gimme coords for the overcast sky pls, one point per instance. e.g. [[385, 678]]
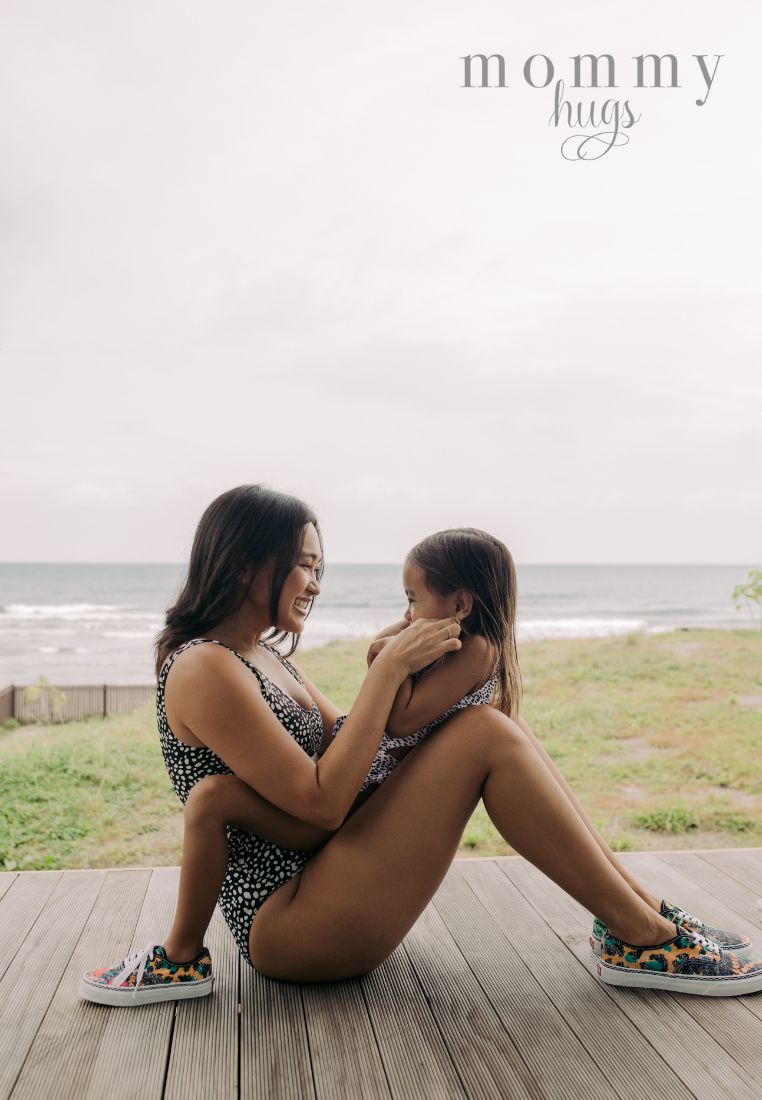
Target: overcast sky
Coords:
[[281, 243]]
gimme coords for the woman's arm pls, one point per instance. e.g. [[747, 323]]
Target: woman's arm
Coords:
[[218, 700], [418, 703]]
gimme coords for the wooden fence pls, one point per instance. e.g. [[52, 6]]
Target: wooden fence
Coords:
[[70, 703]]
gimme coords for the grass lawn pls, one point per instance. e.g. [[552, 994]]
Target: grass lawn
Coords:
[[659, 735]]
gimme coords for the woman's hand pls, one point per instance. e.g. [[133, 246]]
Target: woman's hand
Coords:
[[422, 643]]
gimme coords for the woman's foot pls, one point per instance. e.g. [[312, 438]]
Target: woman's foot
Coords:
[[688, 963], [727, 940], [148, 976]]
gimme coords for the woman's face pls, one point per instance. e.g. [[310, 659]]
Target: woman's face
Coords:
[[421, 602], [300, 588]]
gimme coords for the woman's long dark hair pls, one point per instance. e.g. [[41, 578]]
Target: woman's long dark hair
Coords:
[[244, 528], [464, 557]]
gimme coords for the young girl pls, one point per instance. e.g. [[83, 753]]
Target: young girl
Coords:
[[468, 575], [464, 575]]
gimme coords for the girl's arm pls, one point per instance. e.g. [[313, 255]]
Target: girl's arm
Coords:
[[243, 808], [417, 704], [392, 630]]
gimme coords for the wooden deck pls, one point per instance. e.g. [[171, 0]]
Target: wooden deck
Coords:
[[455, 1012]]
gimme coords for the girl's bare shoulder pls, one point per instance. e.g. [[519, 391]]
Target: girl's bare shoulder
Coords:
[[477, 654]]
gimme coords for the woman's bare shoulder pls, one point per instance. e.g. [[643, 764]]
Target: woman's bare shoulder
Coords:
[[206, 661]]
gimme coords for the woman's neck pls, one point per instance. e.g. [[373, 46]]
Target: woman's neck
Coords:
[[241, 631]]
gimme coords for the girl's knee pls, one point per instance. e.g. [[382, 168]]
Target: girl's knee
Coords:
[[207, 798], [487, 726]]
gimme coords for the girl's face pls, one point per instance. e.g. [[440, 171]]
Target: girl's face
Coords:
[[422, 603], [300, 587]]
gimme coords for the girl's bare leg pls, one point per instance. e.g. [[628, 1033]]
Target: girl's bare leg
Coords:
[[361, 893], [213, 803], [648, 897]]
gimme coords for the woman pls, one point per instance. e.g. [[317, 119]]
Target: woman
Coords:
[[330, 883]]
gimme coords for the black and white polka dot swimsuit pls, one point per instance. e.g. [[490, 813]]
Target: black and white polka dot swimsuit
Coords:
[[256, 867], [384, 762]]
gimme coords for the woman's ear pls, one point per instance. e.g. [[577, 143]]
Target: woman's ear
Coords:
[[464, 603]]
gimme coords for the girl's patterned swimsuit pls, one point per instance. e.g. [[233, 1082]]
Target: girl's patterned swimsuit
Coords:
[[256, 867], [384, 763]]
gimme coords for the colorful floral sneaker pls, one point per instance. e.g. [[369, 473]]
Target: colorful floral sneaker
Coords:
[[689, 963], [728, 941], [148, 976]]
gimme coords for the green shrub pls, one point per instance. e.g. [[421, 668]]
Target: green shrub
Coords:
[[672, 819]]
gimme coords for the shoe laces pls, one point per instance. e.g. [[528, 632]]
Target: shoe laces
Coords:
[[703, 941], [136, 962], [683, 916]]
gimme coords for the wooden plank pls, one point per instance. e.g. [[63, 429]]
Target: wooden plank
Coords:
[[705, 1068], [415, 1057], [546, 1041], [62, 1054], [717, 883], [133, 1053], [512, 930], [740, 898], [345, 1057], [21, 904], [30, 982], [727, 1020], [668, 875], [744, 867], [204, 1056], [487, 1060], [275, 1056], [7, 878]]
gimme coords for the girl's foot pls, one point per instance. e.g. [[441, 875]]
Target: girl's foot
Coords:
[[689, 963], [148, 976], [728, 941]]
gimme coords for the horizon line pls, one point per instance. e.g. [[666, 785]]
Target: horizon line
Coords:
[[735, 564]]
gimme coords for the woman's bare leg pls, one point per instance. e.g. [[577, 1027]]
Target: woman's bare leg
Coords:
[[361, 893], [214, 802], [648, 897]]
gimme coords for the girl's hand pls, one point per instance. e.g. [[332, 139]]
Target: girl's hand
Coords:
[[375, 648], [385, 636], [422, 643], [390, 631]]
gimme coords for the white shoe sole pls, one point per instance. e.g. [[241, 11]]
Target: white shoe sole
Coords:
[[171, 991], [727, 986]]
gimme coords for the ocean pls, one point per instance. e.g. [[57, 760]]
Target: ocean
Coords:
[[91, 624]]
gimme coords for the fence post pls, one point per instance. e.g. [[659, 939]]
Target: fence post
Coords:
[[105, 701]]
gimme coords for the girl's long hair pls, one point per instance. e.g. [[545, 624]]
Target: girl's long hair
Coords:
[[244, 528], [464, 557]]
